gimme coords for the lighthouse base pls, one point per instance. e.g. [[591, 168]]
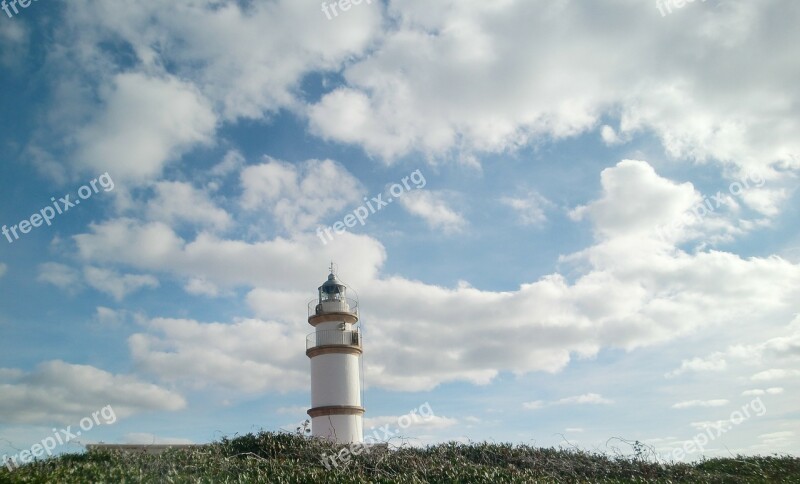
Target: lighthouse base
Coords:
[[339, 424]]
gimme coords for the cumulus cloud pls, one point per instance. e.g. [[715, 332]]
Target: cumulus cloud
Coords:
[[105, 280], [715, 362], [232, 162], [181, 202], [631, 290], [60, 275], [432, 86], [701, 403], [117, 285], [430, 422], [775, 440], [201, 287], [146, 122], [636, 201], [530, 208], [585, 399], [534, 405], [249, 355], [107, 317], [610, 136], [776, 374], [773, 350], [434, 209], [299, 196], [60, 393], [167, 97], [153, 246], [759, 392], [14, 46]]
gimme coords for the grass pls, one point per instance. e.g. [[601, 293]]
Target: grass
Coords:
[[287, 458]]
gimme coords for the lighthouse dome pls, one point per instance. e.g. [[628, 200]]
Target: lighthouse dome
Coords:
[[333, 299], [332, 284]]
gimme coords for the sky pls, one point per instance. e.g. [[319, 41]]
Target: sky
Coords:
[[568, 223]]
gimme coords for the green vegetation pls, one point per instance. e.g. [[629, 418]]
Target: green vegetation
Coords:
[[287, 458]]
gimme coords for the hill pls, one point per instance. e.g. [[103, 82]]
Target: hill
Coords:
[[286, 458]]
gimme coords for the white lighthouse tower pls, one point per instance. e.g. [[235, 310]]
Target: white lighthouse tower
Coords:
[[335, 352]]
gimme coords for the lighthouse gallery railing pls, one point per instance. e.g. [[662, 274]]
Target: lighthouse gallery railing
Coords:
[[333, 337], [342, 305]]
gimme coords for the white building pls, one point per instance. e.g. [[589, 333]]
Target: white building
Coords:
[[335, 352]]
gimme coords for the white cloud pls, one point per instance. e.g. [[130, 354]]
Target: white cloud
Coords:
[[226, 62], [109, 317], [104, 280], [767, 201], [534, 405], [701, 403], [299, 196], [775, 349], [758, 392], [117, 285], [715, 362], [15, 45], [609, 136], [775, 374], [249, 356], [201, 287], [60, 275], [60, 393], [3, 269], [530, 209], [710, 424], [181, 202], [416, 422], [232, 162], [146, 123], [247, 59], [434, 209], [156, 247], [483, 76], [776, 440], [626, 291], [585, 399], [636, 201]]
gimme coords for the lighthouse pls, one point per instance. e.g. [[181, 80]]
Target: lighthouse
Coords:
[[335, 352]]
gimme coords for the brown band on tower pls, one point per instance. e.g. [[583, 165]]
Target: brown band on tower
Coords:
[[321, 318], [335, 410], [329, 349]]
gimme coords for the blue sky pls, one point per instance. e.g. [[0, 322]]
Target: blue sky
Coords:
[[522, 284]]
